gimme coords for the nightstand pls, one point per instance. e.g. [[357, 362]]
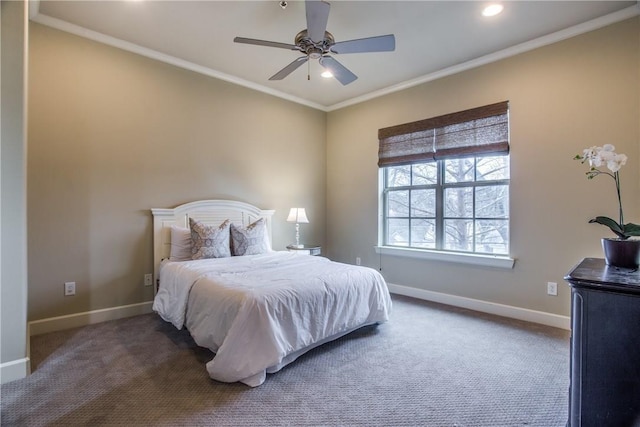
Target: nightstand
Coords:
[[604, 370], [305, 249]]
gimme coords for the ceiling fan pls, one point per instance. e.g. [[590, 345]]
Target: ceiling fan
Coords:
[[315, 42]]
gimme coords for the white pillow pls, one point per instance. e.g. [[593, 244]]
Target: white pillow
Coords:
[[180, 244], [209, 241], [250, 240]]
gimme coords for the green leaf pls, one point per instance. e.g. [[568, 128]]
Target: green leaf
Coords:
[[631, 229], [608, 222]]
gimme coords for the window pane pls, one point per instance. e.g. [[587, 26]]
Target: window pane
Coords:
[[458, 235], [458, 202], [423, 233], [425, 173], [423, 203], [398, 176], [474, 211], [492, 168], [398, 232], [458, 170], [492, 236], [492, 201], [398, 203]]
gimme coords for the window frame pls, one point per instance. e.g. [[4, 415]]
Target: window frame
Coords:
[[475, 132], [439, 218]]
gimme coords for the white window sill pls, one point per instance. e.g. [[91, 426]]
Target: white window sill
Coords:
[[457, 257]]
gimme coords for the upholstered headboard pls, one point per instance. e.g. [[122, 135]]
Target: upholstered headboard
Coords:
[[207, 211]]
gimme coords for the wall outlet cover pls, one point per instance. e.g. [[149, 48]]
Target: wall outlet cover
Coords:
[[69, 288]]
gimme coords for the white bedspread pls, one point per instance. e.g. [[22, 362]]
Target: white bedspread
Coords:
[[260, 312]]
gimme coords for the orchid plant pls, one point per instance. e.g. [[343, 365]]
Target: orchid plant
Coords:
[[605, 156]]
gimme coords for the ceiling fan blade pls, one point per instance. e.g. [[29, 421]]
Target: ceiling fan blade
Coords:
[[339, 71], [317, 18], [289, 68], [265, 43], [370, 44]]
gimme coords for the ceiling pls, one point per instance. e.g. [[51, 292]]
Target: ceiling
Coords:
[[433, 38]]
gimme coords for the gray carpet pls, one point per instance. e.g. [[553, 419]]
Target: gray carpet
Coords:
[[430, 365]]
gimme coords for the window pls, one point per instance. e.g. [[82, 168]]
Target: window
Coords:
[[445, 182]]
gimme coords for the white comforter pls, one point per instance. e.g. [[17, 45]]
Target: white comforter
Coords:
[[260, 312]]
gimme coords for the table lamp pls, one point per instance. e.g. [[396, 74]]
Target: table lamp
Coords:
[[299, 216]]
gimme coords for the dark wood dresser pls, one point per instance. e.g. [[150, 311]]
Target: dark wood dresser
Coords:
[[605, 345]]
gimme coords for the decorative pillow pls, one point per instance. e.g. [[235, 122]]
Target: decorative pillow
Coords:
[[209, 241], [250, 240], [180, 244]]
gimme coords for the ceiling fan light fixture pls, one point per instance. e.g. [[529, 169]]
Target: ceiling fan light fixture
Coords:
[[492, 10], [315, 42], [327, 74], [314, 53]]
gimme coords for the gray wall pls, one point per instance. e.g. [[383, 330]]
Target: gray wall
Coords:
[[13, 211], [564, 97], [113, 134]]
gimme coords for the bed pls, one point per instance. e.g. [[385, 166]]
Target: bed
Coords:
[[258, 309]]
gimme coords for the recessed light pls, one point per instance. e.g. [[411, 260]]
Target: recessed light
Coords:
[[327, 74], [492, 10]]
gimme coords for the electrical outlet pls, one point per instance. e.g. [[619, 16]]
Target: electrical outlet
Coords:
[[358, 260], [552, 288], [69, 288], [148, 279]]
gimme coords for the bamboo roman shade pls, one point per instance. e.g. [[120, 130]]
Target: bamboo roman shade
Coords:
[[482, 130]]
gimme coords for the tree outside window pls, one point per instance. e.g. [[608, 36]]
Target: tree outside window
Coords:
[[459, 205]]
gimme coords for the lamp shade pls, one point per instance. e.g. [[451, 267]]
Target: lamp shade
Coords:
[[297, 215]]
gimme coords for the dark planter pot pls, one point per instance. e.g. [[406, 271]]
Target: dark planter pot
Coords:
[[621, 253]]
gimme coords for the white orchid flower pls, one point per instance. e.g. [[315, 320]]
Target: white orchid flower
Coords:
[[613, 166], [606, 155]]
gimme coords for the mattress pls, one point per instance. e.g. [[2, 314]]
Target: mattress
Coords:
[[260, 312]]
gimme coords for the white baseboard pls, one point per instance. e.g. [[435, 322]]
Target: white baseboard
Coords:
[[14, 370], [541, 317], [60, 323]]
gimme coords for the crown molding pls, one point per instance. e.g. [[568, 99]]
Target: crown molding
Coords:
[[77, 30], [558, 36]]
